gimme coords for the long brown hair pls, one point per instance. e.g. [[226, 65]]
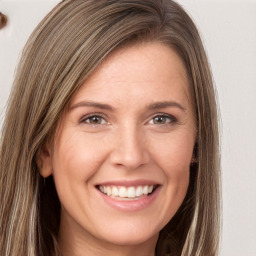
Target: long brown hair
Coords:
[[71, 41]]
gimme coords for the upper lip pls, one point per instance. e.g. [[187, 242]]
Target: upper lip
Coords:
[[128, 183]]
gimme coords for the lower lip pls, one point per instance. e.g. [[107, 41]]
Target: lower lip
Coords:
[[130, 205]]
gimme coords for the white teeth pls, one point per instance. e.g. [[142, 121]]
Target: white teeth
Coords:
[[115, 191], [131, 192], [126, 192], [122, 192], [139, 191], [145, 190], [109, 192]]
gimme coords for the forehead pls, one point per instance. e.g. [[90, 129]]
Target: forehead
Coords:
[[147, 69]]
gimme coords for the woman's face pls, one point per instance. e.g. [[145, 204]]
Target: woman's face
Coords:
[[122, 153]]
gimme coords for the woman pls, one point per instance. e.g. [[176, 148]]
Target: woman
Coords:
[[110, 141]]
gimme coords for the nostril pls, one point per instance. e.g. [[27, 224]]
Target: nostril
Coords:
[[3, 20]]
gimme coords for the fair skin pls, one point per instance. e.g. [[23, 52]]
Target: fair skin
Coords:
[[129, 129]]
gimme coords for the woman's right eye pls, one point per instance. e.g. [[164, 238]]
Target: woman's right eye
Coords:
[[94, 120]]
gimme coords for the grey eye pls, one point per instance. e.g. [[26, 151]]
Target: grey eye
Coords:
[[95, 120], [162, 119]]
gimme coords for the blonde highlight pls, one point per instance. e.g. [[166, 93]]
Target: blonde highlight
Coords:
[[65, 48]]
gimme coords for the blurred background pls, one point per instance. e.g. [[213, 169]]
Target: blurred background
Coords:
[[228, 30]]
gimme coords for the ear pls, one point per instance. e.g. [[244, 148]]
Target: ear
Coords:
[[44, 162]]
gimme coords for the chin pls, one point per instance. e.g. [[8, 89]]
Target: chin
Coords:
[[130, 236]]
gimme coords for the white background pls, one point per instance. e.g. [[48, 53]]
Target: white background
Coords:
[[228, 29]]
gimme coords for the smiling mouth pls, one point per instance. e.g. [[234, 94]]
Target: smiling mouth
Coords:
[[127, 193]]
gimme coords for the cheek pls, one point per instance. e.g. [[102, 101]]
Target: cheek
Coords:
[[174, 153], [75, 155], [173, 156], [75, 162]]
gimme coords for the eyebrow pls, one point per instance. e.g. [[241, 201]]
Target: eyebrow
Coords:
[[152, 106], [91, 104], [166, 104]]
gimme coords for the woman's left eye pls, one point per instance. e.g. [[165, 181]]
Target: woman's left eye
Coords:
[[162, 119], [94, 120]]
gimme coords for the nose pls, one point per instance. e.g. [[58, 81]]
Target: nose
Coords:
[[130, 149]]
